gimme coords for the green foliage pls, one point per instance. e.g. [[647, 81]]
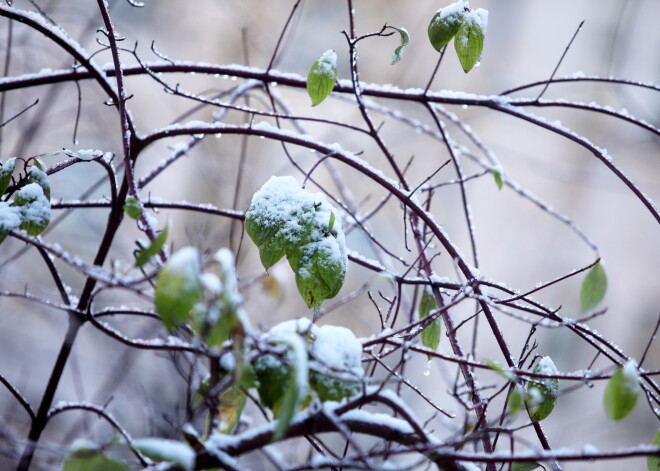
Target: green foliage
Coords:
[[144, 255], [322, 77], [232, 402], [621, 392], [6, 171], [283, 219], [88, 457], [497, 175], [405, 39], [178, 287], [593, 288], [33, 208], [542, 392], [445, 24], [469, 40], [653, 462], [431, 334], [516, 399], [525, 466], [132, 208], [38, 176]]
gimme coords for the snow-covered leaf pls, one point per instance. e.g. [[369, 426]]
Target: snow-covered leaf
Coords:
[[405, 39], [10, 219], [445, 24], [431, 334], [622, 391], [144, 255], [542, 392], [171, 451], [653, 462], [40, 177], [178, 287], [6, 171], [89, 457], [337, 372], [132, 208], [593, 288], [33, 207], [322, 76], [469, 40], [284, 219]]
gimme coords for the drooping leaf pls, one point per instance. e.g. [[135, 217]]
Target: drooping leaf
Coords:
[[431, 333], [6, 171], [232, 402], [284, 219], [593, 288], [497, 175], [653, 462], [87, 457], [169, 451], [469, 40], [144, 255], [405, 39], [132, 208], [178, 288], [33, 207], [621, 392], [445, 24], [542, 392], [525, 466], [322, 76]]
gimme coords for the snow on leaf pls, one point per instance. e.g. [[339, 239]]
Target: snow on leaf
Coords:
[[171, 451], [322, 76], [542, 392], [38, 176], [284, 219], [10, 219], [622, 391], [33, 207], [6, 171], [178, 287], [593, 288], [469, 40], [445, 24]]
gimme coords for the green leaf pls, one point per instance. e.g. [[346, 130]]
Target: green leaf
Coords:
[[445, 24], [132, 208], [284, 219], [322, 77], [500, 370], [33, 207], [6, 171], [337, 373], [516, 399], [469, 40], [594, 288], [89, 457], [10, 219], [297, 385], [525, 466], [431, 333], [405, 39], [653, 462], [232, 403], [178, 288], [170, 451], [144, 255], [497, 175], [38, 176], [542, 392], [622, 391]]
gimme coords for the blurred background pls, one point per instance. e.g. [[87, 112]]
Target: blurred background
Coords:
[[518, 244]]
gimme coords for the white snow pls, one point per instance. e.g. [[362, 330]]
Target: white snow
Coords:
[[167, 450], [547, 367], [338, 348], [10, 218]]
